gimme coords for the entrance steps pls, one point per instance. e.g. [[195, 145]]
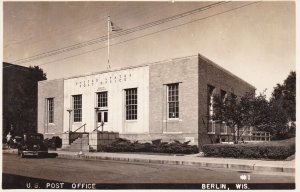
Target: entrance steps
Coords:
[[79, 144]]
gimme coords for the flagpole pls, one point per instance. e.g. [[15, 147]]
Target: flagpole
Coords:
[[108, 29]]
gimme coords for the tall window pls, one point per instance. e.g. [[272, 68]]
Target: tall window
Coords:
[[102, 99], [210, 91], [50, 109], [173, 101], [223, 95], [131, 104], [77, 106]]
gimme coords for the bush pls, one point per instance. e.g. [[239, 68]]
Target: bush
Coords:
[[124, 145], [269, 150], [54, 142]]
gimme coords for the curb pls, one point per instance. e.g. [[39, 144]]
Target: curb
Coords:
[[249, 167], [188, 163]]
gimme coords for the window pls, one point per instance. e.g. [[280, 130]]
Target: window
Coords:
[[102, 99], [211, 127], [210, 98], [173, 100], [223, 128], [131, 104], [77, 105], [50, 110], [223, 95]]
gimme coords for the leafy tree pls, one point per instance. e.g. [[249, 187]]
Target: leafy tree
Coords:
[[265, 115], [285, 96], [230, 111], [251, 111], [22, 108], [283, 103]]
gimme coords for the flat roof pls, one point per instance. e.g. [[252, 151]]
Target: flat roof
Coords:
[[155, 63]]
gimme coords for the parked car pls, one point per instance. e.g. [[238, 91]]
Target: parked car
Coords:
[[32, 144]]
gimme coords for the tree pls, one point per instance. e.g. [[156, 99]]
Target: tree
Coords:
[[283, 101], [251, 111], [230, 111], [264, 115], [284, 96], [22, 112]]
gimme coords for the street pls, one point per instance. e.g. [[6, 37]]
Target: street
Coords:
[[85, 171]]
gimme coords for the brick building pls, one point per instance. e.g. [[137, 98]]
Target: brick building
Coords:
[[164, 100]]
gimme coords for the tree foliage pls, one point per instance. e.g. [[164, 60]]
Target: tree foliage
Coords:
[[228, 110], [22, 112], [256, 111], [284, 96]]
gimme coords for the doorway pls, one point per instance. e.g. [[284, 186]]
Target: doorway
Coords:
[[102, 119]]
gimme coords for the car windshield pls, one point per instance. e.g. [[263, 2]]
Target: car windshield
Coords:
[[35, 137]]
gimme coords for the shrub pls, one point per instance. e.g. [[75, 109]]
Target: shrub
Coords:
[[54, 142], [269, 150], [124, 145]]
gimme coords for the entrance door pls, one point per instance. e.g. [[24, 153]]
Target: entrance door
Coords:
[[102, 119]]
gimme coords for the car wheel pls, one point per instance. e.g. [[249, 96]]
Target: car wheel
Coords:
[[22, 155]]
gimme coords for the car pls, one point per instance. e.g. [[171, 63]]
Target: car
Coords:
[[32, 144]]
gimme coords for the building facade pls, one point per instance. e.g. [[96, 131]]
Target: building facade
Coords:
[[166, 100]]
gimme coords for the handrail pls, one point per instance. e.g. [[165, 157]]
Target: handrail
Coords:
[[80, 127], [98, 127]]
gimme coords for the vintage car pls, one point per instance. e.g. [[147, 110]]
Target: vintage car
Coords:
[[32, 144]]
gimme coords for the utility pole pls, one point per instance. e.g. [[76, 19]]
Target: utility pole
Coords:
[[108, 30]]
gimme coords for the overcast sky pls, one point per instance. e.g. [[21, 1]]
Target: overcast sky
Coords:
[[254, 41]]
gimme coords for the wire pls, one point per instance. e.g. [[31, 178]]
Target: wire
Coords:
[[121, 33], [203, 18]]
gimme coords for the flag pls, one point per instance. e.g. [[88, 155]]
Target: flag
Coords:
[[114, 27]]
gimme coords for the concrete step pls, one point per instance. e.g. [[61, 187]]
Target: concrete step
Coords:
[[81, 141], [80, 144], [77, 150]]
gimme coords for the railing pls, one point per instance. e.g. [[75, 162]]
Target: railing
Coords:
[[260, 136], [101, 125], [73, 135], [81, 127]]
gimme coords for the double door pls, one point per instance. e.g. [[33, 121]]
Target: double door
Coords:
[[102, 119]]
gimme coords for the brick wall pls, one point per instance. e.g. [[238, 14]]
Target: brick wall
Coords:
[[182, 71], [214, 75], [51, 89]]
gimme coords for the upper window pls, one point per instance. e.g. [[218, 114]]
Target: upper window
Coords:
[[102, 99], [77, 106], [131, 103], [50, 110], [173, 100]]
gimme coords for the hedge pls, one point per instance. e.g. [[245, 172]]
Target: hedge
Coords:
[[54, 142], [124, 145], [265, 150]]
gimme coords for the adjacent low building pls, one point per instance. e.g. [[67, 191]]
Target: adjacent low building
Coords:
[[164, 100]]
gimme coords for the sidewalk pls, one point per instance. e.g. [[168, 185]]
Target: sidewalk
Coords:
[[191, 160]]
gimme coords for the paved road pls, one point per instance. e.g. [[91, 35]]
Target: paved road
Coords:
[[84, 171]]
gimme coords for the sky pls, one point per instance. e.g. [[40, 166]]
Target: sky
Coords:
[[254, 40]]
